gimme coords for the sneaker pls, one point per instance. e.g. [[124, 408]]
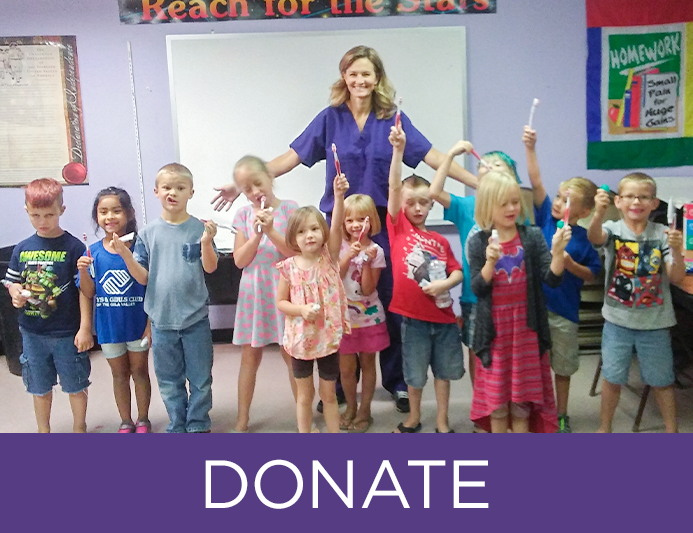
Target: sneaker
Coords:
[[126, 427], [341, 400], [143, 426], [564, 424], [401, 398]]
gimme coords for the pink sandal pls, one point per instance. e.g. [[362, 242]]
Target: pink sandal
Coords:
[[126, 427], [143, 426]]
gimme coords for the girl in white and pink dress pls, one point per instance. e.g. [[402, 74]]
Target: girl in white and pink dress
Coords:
[[360, 261], [311, 294], [258, 247]]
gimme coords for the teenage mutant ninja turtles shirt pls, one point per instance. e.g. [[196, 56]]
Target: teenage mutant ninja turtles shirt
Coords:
[[637, 294], [47, 268]]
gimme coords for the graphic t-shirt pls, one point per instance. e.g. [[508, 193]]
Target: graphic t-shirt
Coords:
[[363, 311], [119, 299], [637, 285], [48, 269], [413, 250]]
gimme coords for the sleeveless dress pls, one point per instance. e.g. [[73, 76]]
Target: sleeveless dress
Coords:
[[517, 372], [319, 284], [258, 322]]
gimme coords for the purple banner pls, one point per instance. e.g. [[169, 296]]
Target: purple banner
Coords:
[[189, 483], [157, 11]]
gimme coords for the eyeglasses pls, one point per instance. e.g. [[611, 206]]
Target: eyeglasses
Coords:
[[632, 197]]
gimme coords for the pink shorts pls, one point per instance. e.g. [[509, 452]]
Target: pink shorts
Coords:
[[366, 340]]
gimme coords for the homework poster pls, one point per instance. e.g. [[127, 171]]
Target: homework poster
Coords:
[[639, 87]]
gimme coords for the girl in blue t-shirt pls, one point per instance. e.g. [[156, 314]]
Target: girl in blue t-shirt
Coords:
[[122, 327]]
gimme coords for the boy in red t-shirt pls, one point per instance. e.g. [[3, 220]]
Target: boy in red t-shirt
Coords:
[[424, 270]]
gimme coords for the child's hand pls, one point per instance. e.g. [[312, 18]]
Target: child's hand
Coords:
[[529, 137], [460, 148], [19, 298], [341, 185], [209, 232], [601, 202], [435, 288], [84, 262], [493, 251], [148, 334], [84, 340], [354, 249], [227, 194], [371, 252], [675, 239], [309, 312], [397, 138], [264, 220], [560, 239], [120, 247]]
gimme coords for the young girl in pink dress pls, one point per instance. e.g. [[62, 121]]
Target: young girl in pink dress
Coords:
[[259, 245], [360, 262], [312, 296], [508, 263]]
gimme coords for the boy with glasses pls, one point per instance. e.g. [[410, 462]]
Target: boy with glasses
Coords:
[[641, 258]]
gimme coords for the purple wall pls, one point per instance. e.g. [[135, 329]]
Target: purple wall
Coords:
[[530, 48]]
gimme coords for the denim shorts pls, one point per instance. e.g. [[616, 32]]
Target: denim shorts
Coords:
[[116, 349], [427, 344], [468, 318], [45, 359], [653, 348]]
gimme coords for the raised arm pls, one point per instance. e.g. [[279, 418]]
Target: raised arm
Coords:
[[676, 270], [529, 137], [434, 159], [436, 189], [136, 270], [398, 140], [596, 233], [86, 284], [210, 259], [340, 185]]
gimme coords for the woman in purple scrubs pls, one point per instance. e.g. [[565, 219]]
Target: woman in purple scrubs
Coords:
[[358, 120]]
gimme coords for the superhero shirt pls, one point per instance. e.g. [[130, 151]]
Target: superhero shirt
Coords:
[[637, 294], [47, 268]]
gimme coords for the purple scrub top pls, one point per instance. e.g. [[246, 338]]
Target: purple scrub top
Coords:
[[364, 156]]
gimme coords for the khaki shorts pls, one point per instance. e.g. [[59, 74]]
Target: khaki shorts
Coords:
[[565, 347]]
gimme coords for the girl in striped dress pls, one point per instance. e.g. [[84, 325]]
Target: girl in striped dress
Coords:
[[508, 263]]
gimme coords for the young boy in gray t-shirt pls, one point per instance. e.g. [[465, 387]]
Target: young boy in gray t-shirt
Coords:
[[641, 258], [169, 257]]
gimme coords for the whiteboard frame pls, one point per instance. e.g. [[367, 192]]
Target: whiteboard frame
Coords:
[[425, 107]]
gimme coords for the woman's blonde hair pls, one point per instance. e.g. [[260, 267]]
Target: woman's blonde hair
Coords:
[[383, 97], [361, 204], [493, 189], [297, 218]]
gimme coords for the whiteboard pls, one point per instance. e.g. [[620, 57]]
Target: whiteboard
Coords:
[[254, 93]]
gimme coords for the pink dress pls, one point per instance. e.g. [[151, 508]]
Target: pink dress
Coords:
[[258, 321], [517, 373], [319, 284]]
